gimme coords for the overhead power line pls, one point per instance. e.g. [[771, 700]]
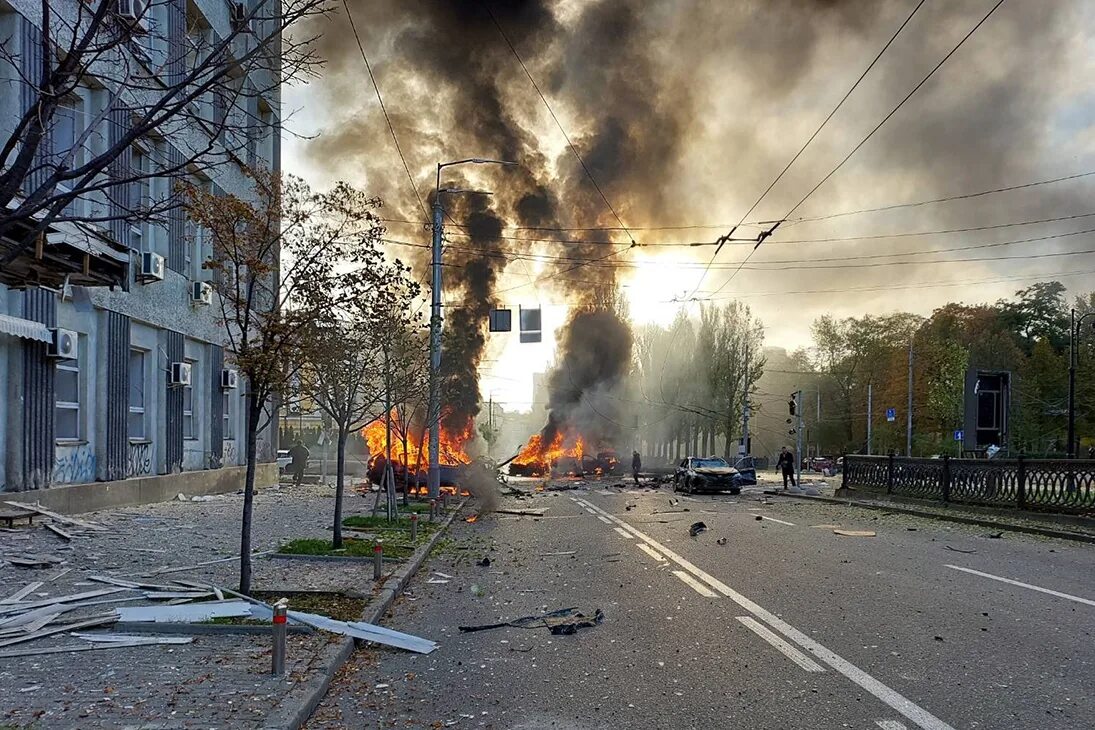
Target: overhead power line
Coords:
[[384, 109], [893, 111]]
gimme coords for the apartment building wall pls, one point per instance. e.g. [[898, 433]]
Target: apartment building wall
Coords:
[[112, 413]]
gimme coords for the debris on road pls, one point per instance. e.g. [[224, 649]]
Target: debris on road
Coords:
[[956, 550], [521, 512], [994, 535], [484, 563], [759, 518], [855, 533], [721, 541], [563, 622], [185, 612], [563, 552], [697, 528]]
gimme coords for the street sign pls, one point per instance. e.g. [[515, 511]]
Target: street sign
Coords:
[[891, 414], [958, 435]]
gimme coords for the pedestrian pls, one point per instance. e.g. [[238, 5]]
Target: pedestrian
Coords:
[[636, 466], [299, 455], [786, 464]]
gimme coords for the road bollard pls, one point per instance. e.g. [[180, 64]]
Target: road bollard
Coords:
[[378, 560], [277, 656], [433, 510], [445, 501], [414, 528]]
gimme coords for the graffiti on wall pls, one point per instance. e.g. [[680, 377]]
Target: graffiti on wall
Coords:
[[74, 465], [263, 450], [139, 461], [231, 457]]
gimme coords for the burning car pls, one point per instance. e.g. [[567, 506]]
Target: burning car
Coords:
[[712, 474]]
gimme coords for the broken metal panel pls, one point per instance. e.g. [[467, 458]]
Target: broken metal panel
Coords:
[[987, 409], [39, 305], [501, 320], [530, 322], [216, 407], [173, 442], [116, 411]]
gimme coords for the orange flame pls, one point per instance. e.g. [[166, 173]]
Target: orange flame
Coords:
[[537, 458], [416, 455], [473, 518]]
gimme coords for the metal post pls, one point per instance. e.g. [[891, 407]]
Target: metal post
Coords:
[[870, 414], [1021, 483], [414, 527], [433, 479], [277, 654], [889, 474], [1072, 332], [378, 560], [908, 415], [798, 438], [433, 510], [744, 450], [946, 478], [445, 501]]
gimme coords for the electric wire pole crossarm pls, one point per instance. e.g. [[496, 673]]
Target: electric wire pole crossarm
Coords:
[[434, 414]]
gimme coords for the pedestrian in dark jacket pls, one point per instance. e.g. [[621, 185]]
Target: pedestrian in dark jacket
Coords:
[[299, 455], [786, 464], [636, 465]]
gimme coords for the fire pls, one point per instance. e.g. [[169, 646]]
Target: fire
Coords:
[[473, 518], [411, 451], [537, 458]]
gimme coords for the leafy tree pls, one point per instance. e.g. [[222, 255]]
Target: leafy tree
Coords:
[[283, 258]]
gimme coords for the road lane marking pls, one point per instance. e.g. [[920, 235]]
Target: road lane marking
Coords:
[[695, 584], [604, 520], [918, 715], [622, 531], [788, 651], [651, 552], [1067, 596], [773, 519], [890, 725]]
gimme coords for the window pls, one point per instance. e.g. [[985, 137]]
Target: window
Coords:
[[66, 410], [141, 197], [136, 395], [226, 409]]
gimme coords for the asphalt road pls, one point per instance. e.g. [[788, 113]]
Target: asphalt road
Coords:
[[786, 625]]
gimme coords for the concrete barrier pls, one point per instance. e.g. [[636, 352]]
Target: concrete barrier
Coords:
[[76, 498]]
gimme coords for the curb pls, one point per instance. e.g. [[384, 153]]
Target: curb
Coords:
[[335, 655], [1011, 527]]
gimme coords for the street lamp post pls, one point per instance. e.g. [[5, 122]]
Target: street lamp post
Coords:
[[1073, 335], [434, 416]]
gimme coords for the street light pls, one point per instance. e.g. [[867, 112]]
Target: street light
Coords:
[[1073, 335], [434, 417]]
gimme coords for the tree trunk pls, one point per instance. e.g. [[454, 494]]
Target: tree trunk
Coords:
[[340, 473], [406, 464], [254, 414]]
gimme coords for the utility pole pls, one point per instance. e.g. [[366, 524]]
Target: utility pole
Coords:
[[1073, 335], [433, 418], [798, 437], [490, 426], [433, 413], [908, 415], [743, 450], [817, 424], [870, 414]]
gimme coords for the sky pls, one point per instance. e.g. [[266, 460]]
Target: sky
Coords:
[[683, 113]]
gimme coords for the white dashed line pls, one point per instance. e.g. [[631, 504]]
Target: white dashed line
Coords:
[[788, 651], [773, 519], [1009, 581], [622, 531], [651, 552], [890, 725], [895, 700], [695, 584], [604, 520]]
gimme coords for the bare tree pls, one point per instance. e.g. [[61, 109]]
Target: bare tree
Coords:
[[283, 259], [349, 371], [174, 93]]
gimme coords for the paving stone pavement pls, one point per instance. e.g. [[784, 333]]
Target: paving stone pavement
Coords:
[[217, 681]]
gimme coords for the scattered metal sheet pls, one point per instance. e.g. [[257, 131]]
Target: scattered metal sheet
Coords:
[[72, 598], [166, 595], [80, 647], [563, 621], [58, 532], [367, 632], [107, 638], [855, 533], [100, 620], [190, 612], [23, 592], [63, 519]]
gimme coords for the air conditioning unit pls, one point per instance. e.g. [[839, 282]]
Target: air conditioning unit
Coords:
[[133, 12], [181, 373], [230, 379], [201, 293], [65, 344], [152, 265]]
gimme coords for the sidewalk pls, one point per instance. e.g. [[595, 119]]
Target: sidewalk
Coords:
[[216, 681]]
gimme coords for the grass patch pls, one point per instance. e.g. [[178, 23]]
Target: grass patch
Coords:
[[333, 605], [396, 545], [403, 524]]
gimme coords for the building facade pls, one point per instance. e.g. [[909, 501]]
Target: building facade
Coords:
[[127, 376]]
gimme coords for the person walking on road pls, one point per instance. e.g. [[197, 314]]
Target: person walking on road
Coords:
[[636, 466], [299, 455], [786, 464]]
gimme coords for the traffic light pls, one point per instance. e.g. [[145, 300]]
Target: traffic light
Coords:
[[791, 406]]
